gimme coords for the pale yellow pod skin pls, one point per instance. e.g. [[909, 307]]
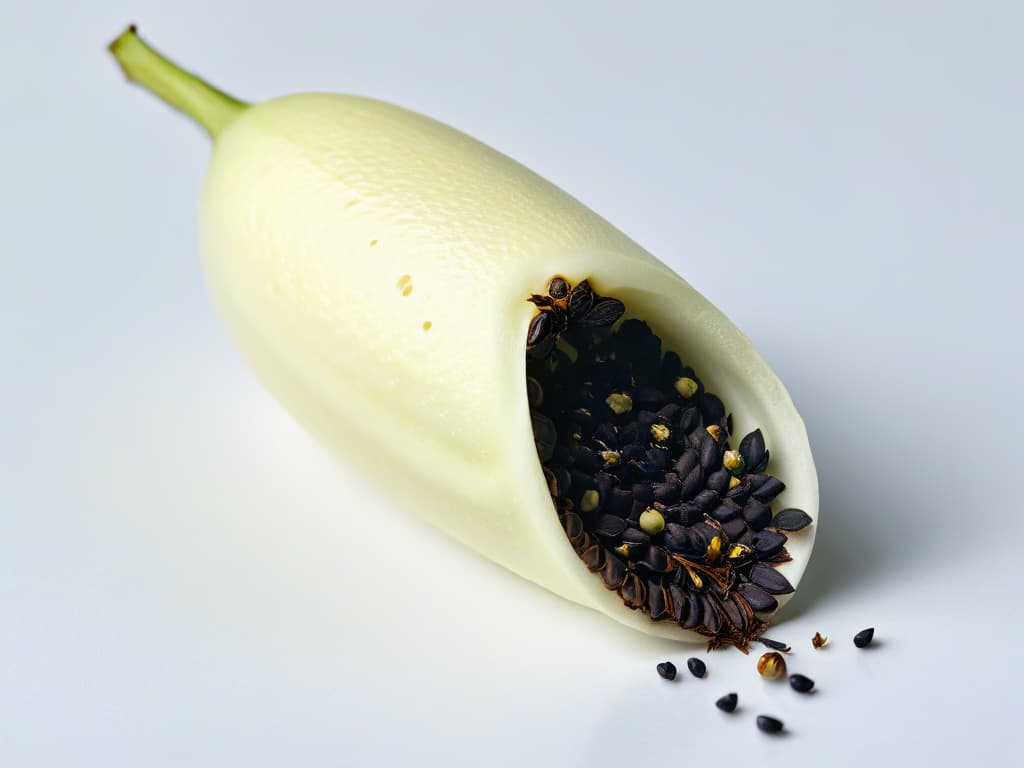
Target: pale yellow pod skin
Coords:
[[373, 266]]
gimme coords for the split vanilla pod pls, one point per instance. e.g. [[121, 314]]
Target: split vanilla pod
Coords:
[[378, 270]]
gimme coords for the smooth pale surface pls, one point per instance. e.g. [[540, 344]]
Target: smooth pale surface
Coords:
[[170, 577], [336, 229]]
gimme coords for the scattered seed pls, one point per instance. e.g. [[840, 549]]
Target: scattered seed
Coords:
[[697, 667], [819, 640], [775, 644], [801, 683], [667, 670], [771, 666], [769, 724], [728, 702], [863, 638]]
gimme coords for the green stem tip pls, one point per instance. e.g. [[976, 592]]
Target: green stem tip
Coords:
[[211, 108]]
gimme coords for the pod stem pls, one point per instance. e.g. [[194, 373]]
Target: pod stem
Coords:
[[211, 108]]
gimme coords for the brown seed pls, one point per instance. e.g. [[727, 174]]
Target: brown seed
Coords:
[[633, 591], [657, 601], [771, 666], [614, 572], [769, 724], [558, 288], [572, 524], [594, 557], [819, 640]]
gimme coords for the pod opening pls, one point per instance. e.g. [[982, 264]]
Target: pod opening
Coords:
[[642, 473]]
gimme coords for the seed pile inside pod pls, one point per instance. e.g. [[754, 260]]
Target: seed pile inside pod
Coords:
[[648, 487]]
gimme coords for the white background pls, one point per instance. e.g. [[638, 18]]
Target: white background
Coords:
[[187, 579]]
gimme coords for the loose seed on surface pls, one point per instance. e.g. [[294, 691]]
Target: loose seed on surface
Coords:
[[667, 670], [728, 702], [819, 640], [863, 638], [775, 645], [801, 683], [769, 724], [771, 666], [697, 667]]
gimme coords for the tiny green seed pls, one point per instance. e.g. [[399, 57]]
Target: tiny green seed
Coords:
[[651, 522], [610, 458], [620, 403], [686, 387], [660, 433], [590, 500], [733, 461]]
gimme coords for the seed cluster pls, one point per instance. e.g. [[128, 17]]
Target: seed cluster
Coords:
[[638, 461], [771, 666]]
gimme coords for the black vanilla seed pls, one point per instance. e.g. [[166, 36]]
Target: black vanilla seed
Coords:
[[728, 702], [801, 683], [863, 638], [667, 670], [775, 645], [654, 492], [697, 667], [769, 724]]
